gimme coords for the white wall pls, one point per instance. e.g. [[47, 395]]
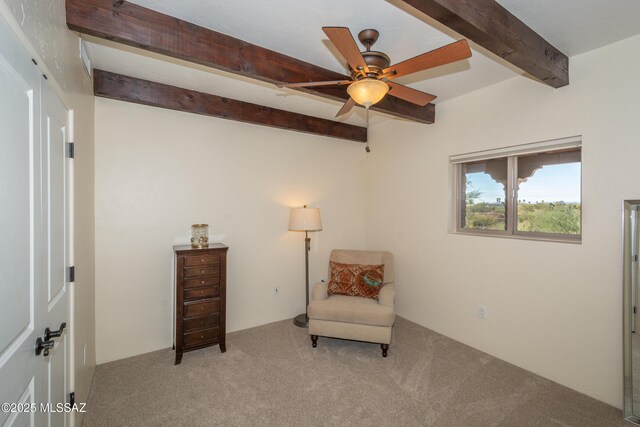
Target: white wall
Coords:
[[159, 171], [554, 308], [42, 25]]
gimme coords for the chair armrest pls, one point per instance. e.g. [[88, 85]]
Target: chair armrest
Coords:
[[319, 291], [387, 295]]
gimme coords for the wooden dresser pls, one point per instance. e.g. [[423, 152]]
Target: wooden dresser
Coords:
[[201, 297]]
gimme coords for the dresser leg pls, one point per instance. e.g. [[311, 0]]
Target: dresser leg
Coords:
[[178, 358], [314, 341], [223, 347]]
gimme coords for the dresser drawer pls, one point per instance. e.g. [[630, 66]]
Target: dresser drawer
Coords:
[[197, 260], [199, 282], [199, 293], [198, 323], [207, 270], [192, 339], [201, 307]]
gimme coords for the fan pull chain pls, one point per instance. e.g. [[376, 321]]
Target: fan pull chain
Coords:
[[367, 149]]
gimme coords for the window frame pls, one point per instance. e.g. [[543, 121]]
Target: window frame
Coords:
[[511, 196]]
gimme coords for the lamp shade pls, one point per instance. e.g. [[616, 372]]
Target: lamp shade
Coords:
[[305, 219], [367, 91]]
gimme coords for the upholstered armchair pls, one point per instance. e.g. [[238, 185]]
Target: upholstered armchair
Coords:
[[354, 317]]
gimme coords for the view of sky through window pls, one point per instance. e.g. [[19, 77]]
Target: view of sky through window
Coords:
[[548, 184], [552, 183]]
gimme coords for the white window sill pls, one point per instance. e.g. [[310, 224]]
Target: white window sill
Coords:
[[479, 233]]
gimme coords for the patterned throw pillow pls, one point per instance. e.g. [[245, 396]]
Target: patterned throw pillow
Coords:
[[356, 279]]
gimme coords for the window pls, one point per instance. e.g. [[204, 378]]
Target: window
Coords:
[[530, 191]]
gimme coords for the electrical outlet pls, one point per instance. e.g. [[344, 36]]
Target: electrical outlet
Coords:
[[482, 312], [276, 291]]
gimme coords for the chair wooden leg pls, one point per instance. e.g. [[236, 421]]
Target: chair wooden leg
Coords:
[[384, 347], [314, 341]]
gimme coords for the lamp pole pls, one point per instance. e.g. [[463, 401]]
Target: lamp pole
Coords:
[[302, 320], [307, 246], [304, 219]]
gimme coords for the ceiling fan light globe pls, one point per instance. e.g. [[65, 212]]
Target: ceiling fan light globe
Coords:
[[367, 91]]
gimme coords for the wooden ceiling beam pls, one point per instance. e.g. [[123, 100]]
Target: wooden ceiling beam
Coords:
[[493, 27], [131, 89], [134, 25]]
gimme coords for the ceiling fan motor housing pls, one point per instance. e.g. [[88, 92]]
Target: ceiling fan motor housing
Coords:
[[376, 61]]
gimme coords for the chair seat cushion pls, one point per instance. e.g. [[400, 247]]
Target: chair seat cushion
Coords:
[[343, 308]]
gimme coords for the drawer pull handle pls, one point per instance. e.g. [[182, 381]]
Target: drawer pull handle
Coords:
[[202, 282], [202, 260], [203, 271]]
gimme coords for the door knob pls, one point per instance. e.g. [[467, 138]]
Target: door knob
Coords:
[[48, 333], [43, 346]]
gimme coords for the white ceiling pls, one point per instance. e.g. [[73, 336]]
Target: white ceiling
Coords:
[[294, 27], [578, 26]]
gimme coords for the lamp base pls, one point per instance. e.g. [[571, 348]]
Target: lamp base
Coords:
[[301, 320]]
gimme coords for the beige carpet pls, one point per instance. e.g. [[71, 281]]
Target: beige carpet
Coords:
[[271, 376]]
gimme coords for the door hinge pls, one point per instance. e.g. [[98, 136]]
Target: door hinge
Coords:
[[71, 150], [634, 310], [72, 274], [72, 398], [635, 258]]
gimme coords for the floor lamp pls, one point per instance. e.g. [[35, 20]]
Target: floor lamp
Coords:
[[305, 219]]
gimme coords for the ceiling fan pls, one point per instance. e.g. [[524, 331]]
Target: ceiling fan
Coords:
[[371, 72]]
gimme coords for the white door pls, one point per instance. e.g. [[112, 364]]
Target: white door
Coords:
[[33, 243], [54, 132], [20, 228]]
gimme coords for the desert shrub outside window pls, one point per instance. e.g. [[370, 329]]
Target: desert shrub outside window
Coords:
[[531, 191]]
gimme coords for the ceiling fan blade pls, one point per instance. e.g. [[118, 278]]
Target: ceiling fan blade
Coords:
[[446, 54], [346, 107], [309, 84], [343, 41], [408, 94]]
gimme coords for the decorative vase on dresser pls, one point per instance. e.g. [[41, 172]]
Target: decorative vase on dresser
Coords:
[[201, 296]]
